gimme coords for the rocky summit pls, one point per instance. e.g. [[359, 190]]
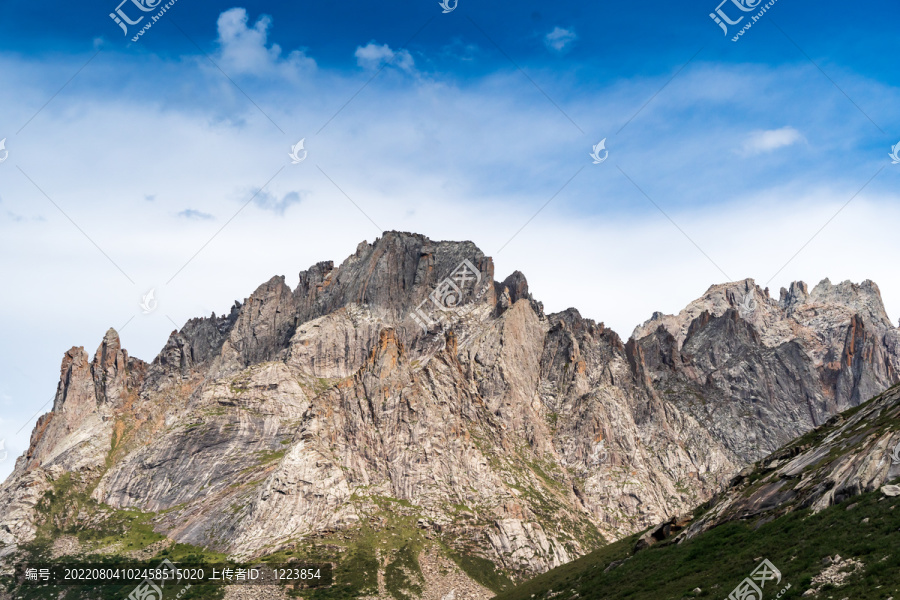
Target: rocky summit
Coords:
[[428, 427]]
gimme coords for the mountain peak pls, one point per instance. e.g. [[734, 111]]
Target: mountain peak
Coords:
[[408, 386]]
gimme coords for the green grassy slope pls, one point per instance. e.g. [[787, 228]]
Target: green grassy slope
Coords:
[[719, 559]]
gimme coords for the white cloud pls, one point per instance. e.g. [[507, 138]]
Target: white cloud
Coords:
[[761, 142], [372, 56], [244, 50], [560, 39]]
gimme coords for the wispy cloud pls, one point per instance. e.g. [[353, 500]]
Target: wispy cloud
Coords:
[[460, 50], [560, 39], [761, 142], [271, 202], [372, 56], [197, 215]]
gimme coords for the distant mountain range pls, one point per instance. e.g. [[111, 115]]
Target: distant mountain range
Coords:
[[427, 428]]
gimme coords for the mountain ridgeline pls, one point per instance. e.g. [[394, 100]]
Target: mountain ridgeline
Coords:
[[404, 409]]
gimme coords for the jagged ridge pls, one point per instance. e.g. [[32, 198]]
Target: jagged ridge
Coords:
[[512, 435]]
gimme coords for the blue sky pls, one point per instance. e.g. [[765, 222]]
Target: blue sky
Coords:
[[138, 165]]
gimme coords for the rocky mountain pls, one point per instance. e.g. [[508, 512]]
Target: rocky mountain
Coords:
[[817, 518], [853, 453], [758, 371], [407, 416]]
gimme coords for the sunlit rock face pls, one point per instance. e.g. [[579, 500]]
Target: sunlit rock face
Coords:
[[407, 372]]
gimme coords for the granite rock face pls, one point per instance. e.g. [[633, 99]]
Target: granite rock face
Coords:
[[408, 373], [852, 453], [758, 372]]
